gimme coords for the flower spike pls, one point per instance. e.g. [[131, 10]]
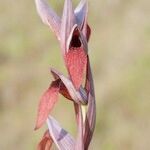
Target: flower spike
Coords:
[[73, 33]]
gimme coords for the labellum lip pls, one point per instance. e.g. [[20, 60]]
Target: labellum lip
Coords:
[[76, 61], [47, 103], [76, 56]]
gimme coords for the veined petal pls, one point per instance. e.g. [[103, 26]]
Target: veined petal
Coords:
[[62, 139], [48, 16], [78, 96], [79, 141], [68, 21], [91, 113], [89, 122], [46, 142], [81, 13], [47, 103]]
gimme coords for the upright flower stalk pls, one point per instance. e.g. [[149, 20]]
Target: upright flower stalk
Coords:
[[73, 33]]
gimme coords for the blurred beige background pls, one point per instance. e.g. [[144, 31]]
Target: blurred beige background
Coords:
[[120, 57]]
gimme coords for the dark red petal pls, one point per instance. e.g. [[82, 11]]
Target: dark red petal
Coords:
[[88, 32], [76, 60], [47, 103], [46, 142], [63, 90]]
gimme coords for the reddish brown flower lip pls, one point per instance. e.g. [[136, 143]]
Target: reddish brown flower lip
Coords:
[[73, 33]]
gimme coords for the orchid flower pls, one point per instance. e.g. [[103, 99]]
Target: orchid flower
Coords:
[[73, 33]]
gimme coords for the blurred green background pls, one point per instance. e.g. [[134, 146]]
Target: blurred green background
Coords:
[[120, 58]]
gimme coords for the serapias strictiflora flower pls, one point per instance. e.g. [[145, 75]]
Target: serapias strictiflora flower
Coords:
[[73, 33]]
